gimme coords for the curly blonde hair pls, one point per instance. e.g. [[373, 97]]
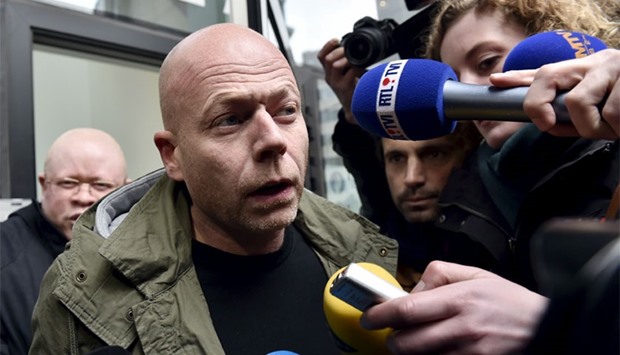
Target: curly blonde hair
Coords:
[[598, 18]]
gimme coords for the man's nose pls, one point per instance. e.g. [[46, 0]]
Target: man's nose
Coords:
[[416, 174], [85, 194], [270, 140]]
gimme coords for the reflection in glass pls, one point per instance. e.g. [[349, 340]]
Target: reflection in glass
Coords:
[[180, 15], [76, 89]]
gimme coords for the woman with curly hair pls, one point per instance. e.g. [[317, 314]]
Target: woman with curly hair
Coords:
[[598, 18], [503, 24], [529, 175]]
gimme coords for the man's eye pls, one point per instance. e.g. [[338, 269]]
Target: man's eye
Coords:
[[287, 111], [435, 154], [102, 186], [394, 158], [68, 184], [229, 121]]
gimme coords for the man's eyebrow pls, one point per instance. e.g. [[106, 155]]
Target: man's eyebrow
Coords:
[[393, 150], [280, 92], [445, 144], [438, 146], [286, 91]]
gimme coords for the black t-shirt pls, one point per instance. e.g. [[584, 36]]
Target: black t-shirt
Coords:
[[264, 303]]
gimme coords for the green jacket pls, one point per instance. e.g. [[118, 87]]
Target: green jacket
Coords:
[[134, 285]]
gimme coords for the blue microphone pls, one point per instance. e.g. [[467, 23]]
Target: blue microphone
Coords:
[[420, 99], [551, 47]]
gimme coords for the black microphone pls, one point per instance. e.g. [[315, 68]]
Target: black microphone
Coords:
[[419, 99]]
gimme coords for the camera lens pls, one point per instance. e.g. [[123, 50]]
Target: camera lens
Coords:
[[365, 47]]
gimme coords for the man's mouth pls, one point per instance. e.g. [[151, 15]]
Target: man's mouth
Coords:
[[271, 189], [419, 198]]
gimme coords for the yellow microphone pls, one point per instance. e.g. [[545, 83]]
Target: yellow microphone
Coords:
[[348, 293]]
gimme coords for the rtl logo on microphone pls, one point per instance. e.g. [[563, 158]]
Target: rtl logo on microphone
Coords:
[[386, 99], [578, 42]]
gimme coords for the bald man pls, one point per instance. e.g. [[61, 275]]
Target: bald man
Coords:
[[223, 251], [81, 166]]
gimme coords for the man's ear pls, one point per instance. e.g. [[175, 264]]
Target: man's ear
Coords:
[[167, 144], [41, 179]]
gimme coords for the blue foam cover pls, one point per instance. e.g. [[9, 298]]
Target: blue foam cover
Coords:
[[418, 101], [550, 47]]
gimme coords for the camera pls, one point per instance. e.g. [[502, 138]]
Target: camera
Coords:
[[374, 40], [370, 41]]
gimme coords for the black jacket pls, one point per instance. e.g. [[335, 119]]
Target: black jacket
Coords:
[[418, 243], [496, 201], [28, 245], [579, 185]]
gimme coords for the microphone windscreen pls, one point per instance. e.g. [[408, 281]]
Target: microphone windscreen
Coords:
[[550, 47], [404, 100], [344, 320]]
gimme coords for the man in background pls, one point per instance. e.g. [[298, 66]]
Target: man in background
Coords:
[[417, 173], [400, 187], [81, 166]]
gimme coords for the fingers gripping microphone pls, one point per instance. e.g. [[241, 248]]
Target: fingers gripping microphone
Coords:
[[421, 99], [349, 292], [554, 46]]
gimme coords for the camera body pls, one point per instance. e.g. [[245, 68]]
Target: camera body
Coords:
[[370, 41], [374, 40]]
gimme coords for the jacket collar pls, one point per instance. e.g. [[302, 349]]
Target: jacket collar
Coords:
[[137, 222]]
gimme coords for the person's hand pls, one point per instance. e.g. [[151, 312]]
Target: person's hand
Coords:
[[340, 75], [458, 309], [590, 79]]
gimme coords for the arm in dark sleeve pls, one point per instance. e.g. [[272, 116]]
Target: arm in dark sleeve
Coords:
[[358, 150]]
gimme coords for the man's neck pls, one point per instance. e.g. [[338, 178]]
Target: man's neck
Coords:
[[238, 241]]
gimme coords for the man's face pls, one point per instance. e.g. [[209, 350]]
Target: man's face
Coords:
[[243, 148], [417, 172], [76, 180]]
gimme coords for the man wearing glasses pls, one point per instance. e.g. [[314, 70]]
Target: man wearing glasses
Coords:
[[81, 166]]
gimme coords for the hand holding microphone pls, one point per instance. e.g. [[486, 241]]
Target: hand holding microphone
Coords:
[[459, 309], [421, 99], [591, 81]]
